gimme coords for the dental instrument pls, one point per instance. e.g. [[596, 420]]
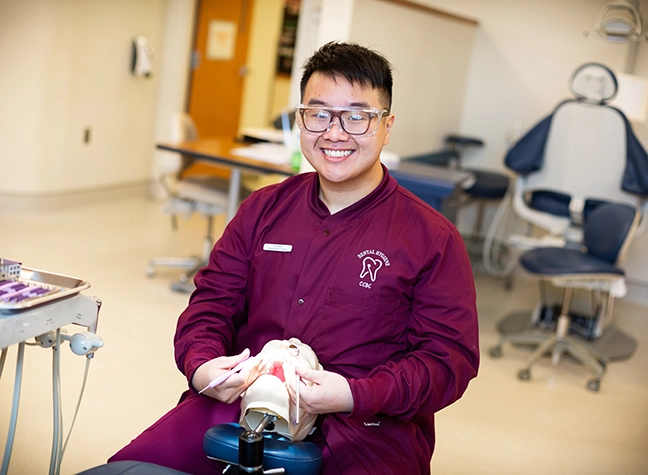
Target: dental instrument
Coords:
[[225, 376]]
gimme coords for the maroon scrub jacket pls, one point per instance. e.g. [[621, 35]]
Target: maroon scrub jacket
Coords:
[[382, 291]]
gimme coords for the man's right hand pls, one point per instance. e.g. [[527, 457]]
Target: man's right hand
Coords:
[[231, 389]]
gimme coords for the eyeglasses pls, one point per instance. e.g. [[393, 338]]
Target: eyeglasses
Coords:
[[318, 119]]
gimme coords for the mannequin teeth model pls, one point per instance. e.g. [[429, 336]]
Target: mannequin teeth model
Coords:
[[268, 394]]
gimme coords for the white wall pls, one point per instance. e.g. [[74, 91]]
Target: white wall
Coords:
[[258, 87], [525, 52], [66, 67], [429, 80]]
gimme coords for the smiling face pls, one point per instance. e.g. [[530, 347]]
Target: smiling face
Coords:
[[345, 163]]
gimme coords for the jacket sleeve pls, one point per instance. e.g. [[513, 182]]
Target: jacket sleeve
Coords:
[[443, 341], [217, 307]]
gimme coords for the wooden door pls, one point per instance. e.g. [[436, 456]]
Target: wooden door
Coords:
[[221, 43]]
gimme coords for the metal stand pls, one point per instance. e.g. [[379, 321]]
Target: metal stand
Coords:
[[251, 451]]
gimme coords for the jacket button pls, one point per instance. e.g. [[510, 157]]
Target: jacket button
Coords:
[[300, 302], [326, 232]]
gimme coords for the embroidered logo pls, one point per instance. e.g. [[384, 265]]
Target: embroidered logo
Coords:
[[370, 266], [372, 261]]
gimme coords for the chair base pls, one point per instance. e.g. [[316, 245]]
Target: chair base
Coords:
[[519, 330], [221, 443], [191, 265]]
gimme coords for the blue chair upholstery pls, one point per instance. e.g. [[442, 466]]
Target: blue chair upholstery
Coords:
[[221, 442], [604, 235], [607, 231]]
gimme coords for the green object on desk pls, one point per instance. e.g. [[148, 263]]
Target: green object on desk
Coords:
[[295, 160]]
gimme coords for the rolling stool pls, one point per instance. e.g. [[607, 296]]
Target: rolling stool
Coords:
[[487, 186], [253, 451]]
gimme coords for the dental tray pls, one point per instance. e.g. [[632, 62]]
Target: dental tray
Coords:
[[25, 288]]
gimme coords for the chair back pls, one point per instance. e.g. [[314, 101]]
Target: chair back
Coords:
[[576, 157], [171, 165], [183, 127], [609, 229]]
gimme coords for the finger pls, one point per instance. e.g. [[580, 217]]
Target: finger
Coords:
[[236, 359], [311, 375]]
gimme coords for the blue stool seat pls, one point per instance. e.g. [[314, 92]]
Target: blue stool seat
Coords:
[[297, 458], [564, 261], [487, 185]]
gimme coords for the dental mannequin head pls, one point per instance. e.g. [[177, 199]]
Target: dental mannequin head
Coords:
[[268, 394]]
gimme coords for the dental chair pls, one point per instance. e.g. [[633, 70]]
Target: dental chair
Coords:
[[593, 266], [583, 153], [577, 160], [196, 193]]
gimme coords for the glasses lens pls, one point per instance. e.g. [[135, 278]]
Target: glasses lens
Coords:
[[316, 120], [354, 122]]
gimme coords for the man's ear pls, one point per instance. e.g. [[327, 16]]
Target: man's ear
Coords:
[[389, 123]]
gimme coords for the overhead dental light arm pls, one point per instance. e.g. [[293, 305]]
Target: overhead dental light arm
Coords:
[[618, 22]]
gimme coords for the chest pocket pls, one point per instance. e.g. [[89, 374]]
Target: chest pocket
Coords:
[[358, 333]]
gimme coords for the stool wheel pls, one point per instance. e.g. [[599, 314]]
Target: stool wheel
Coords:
[[524, 374], [495, 352], [594, 385]]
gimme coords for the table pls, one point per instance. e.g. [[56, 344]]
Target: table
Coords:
[[219, 150], [433, 184]]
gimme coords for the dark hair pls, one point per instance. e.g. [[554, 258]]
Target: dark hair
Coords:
[[357, 64]]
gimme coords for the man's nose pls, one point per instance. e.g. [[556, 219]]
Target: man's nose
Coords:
[[339, 131]]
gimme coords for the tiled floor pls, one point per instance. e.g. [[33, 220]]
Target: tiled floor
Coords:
[[549, 425]]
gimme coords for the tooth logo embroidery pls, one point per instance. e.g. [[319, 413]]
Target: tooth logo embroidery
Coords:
[[372, 262], [370, 266]]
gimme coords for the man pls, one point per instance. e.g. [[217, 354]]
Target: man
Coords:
[[376, 282]]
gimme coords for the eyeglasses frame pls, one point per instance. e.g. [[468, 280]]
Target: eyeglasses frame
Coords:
[[336, 112]]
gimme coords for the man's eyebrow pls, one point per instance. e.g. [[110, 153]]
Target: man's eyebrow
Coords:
[[317, 102]]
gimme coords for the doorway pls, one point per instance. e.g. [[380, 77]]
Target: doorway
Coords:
[[220, 54]]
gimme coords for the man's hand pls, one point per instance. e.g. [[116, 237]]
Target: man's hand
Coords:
[[329, 392], [231, 389]]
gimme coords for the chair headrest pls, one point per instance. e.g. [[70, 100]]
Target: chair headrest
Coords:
[[593, 83]]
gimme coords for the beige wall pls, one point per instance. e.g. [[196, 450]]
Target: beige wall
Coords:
[[429, 80], [258, 89], [430, 77], [65, 68]]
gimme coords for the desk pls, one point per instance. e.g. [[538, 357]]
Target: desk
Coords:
[[433, 184], [219, 150]]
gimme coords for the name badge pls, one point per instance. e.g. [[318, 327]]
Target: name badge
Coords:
[[277, 247]]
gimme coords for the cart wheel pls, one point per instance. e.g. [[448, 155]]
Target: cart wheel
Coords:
[[594, 385], [524, 374], [495, 352]]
